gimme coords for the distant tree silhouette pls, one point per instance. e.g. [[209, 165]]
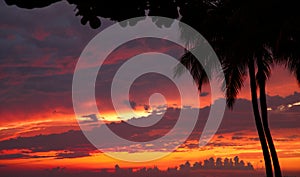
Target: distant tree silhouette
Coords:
[[226, 163], [236, 161], [184, 169], [219, 163], [230, 163], [197, 165], [117, 169]]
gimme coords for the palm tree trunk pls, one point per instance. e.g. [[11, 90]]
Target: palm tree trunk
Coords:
[[264, 115], [259, 126]]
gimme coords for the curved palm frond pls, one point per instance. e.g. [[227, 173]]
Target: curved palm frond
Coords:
[[189, 62], [293, 64], [234, 79], [288, 53], [265, 61]]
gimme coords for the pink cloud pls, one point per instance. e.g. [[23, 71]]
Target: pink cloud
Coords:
[[40, 34]]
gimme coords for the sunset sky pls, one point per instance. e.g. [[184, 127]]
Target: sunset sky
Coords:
[[38, 128]]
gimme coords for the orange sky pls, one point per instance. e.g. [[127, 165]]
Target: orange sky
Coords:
[[56, 122]]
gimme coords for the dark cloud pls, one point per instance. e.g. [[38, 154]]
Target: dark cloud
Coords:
[[12, 156], [49, 84], [293, 137], [71, 140], [223, 144], [92, 118], [20, 156], [133, 104], [38, 60], [146, 107], [71, 155], [254, 139], [237, 137], [38, 52], [275, 101], [204, 94]]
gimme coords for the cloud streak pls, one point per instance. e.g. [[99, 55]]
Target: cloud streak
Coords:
[[235, 123]]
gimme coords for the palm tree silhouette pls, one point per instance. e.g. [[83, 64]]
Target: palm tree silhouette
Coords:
[[234, 75], [244, 45]]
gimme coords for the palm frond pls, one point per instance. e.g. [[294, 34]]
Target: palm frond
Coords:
[[288, 53], [189, 62], [293, 64], [264, 60], [234, 78]]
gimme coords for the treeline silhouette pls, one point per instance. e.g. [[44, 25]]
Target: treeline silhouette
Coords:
[[182, 170], [209, 167], [211, 163]]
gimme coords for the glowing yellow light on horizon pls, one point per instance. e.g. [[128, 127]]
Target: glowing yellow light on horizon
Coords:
[[296, 104]]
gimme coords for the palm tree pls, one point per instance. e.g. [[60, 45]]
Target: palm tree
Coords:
[[263, 73], [253, 47], [223, 37], [281, 46], [234, 75]]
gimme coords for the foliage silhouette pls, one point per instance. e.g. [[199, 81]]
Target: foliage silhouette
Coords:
[[186, 169], [251, 35]]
